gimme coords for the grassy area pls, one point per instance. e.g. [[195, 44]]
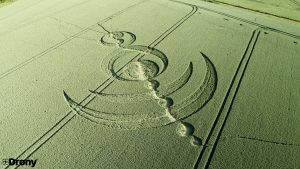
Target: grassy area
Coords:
[[283, 9], [150, 84], [6, 2]]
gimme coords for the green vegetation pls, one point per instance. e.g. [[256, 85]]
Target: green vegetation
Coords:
[[288, 9], [147, 84], [6, 2]]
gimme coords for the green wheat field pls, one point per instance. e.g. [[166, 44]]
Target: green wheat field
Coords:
[[158, 84]]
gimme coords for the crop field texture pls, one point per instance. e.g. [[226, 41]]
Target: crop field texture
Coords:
[[148, 84], [5, 2], [288, 9]]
